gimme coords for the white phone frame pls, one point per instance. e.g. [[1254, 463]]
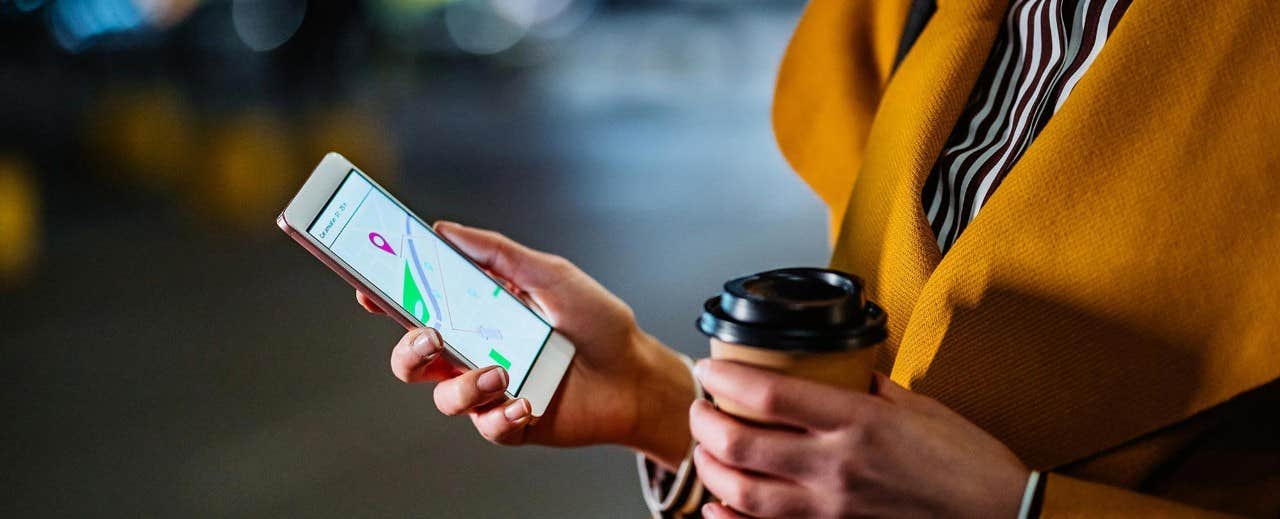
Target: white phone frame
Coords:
[[550, 364]]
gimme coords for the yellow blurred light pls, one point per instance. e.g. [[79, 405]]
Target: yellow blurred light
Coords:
[[252, 170], [147, 135], [359, 137], [19, 222]]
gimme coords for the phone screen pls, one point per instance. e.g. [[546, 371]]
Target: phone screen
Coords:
[[400, 256]]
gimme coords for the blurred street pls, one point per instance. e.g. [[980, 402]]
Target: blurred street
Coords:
[[167, 351]]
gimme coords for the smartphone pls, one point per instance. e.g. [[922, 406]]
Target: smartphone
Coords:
[[379, 246]]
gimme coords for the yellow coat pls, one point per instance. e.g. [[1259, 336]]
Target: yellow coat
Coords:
[[1113, 313]]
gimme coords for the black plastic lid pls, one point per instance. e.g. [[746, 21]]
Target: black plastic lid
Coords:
[[801, 309]]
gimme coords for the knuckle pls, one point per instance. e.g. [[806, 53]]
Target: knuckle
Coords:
[[735, 447], [559, 264], [851, 472], [770, 397], [746, 498], [732, 492], [627, 314]]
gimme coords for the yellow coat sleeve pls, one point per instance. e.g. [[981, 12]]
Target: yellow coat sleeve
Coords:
[[1066, 497]]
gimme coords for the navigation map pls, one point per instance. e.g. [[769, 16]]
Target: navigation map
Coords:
[[429, 279]]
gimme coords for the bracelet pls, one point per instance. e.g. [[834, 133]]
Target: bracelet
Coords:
[[1029, 495]]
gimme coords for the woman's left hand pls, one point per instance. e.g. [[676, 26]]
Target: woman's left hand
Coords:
[[842, 453]]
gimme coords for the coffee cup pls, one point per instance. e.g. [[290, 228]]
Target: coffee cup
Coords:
[[809, 323]]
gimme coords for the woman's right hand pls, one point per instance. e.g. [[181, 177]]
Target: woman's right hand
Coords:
[[623, 386]]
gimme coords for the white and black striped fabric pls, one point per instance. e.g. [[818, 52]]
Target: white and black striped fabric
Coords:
[[1041, 52]]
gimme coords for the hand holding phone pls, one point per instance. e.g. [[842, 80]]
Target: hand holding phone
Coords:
[[373, 241], [622, 387]]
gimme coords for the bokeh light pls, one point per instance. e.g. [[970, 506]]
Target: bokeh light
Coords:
[[28, 5], [266, 24], [147, 136], [164, 14], [253, 168], [486, 27], [19, 221], [358, 136], [76, 24]]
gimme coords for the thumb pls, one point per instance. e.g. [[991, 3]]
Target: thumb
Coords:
[[886, 388], [533, 271]]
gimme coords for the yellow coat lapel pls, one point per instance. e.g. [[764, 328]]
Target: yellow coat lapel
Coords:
[[1124, 275], [829, 88]]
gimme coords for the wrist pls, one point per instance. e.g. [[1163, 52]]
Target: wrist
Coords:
[[664, 390], [1020, 480]]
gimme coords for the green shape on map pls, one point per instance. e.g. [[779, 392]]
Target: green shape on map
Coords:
[[412, 300], [497, 357], [497, 289]]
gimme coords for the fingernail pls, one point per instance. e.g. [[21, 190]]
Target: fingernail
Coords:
[[708, 511], [493, 380], [699, 369], [517, 410], [426, 344]]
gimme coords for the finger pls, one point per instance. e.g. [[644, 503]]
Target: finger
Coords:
[[529, 269], [506, 283], [783, 399], [416, 358], [368, 303], [749, 493], [719, 511], [514, 290], [504, 424], [775, 452], [470, 390]]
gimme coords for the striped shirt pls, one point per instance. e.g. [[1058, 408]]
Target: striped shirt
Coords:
[[1043, 49]]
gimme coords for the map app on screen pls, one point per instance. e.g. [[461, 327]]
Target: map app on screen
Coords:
[[430, 280]]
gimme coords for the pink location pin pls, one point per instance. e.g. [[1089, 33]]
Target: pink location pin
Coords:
[[380, 242]]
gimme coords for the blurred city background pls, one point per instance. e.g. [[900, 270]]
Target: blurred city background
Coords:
[[167, 351]]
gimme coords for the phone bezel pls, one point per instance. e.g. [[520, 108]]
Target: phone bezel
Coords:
[[549, 365]]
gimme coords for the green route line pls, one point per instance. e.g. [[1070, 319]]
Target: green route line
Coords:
[[413, 301], [497, 357]]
